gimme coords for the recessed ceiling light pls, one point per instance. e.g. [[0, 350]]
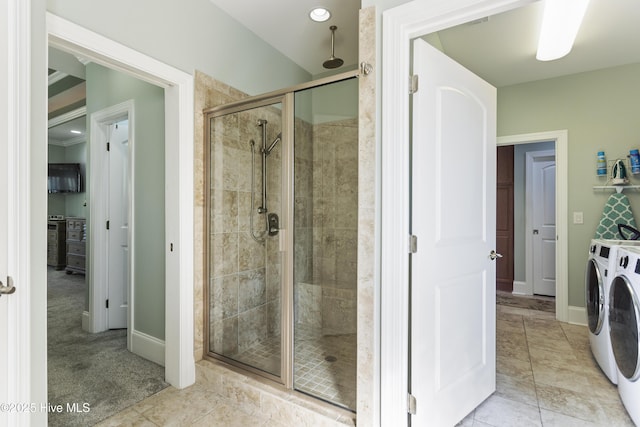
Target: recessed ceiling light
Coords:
[[319, 14], [76, 131]]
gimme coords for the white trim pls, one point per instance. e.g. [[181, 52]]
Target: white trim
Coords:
[[23, 313], [400, 25], [561, 139], [56, 76], [522, 288], [151, 348], [98, 254], [178, 85], [68, 142], [63, 118], [577, 315]]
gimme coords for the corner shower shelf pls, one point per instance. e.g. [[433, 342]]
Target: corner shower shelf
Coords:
[[618, 188]]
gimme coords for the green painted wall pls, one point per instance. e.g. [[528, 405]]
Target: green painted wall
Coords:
[[334, 102], [189, 35], [600, 110], [106, 88]]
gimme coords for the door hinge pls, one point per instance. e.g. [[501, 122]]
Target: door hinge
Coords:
[[413, 84], [411, 404], [108, 146], [107, 303], [413, 244], [107, 225]]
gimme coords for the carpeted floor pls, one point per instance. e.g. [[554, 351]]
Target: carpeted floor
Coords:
[[532, 302], [93, 371]]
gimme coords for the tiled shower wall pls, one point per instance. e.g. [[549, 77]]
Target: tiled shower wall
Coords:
[[244, 291], [304, 208], [327, 299]]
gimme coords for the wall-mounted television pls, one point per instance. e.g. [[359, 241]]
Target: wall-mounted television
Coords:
[[64, 178]]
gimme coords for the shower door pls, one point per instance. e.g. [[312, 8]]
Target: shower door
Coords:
[[325, 241], [244, 267], [282, 200]]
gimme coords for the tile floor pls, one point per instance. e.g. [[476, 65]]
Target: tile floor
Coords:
[[546, 376]]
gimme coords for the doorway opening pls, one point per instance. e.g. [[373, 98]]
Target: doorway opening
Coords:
[[524, 244], [171, 343], [112, 176], [99, 243], [525, 225], [402, 26]]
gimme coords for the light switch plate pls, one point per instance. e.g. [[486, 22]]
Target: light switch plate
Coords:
[[578, 218]]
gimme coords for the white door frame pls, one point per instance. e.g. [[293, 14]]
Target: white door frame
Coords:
[[179, 232], [561, 139], [24, 377], [98, 285], [529, 259], [399, 26]]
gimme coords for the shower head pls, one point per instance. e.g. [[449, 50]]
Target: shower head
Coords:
[[273, 144], [333, 62]]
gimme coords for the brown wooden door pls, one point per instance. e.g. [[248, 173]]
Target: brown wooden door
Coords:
[[504, 219]]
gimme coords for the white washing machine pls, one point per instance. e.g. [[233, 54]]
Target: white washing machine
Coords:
[[624, 328], [601, 268]]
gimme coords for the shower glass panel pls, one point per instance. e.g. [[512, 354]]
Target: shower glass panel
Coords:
[[245, 193], [325, 241], [282, 206]]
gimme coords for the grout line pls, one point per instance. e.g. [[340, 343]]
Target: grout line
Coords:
[[535, 384]]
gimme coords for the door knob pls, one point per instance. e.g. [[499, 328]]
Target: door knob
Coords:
[[9, 289], [535, 231], [493, 255]]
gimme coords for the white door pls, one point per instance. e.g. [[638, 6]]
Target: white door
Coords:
[[118, 234], [453, 216], [543, 221]]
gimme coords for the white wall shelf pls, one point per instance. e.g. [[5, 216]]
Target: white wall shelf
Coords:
[[618, 188]]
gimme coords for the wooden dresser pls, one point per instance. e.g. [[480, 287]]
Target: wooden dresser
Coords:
[[56, 244], [76, 245]]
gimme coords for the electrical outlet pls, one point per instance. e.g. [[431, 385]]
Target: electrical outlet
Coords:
[[578, 218]]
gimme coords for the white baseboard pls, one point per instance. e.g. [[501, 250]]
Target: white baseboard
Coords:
[[146, 346], [86, 321], [521, 288], [577, 315]]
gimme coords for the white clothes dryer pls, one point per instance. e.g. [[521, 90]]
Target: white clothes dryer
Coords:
[[601, 268], [624, 328]]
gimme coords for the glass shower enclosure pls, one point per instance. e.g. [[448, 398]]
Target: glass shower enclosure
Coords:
[[282, 175]]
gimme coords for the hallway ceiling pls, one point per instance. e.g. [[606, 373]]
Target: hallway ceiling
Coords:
[[501, 49]]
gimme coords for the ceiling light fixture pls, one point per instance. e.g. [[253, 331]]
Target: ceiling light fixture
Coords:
[[76, 132], [560, 24], [319, 14]]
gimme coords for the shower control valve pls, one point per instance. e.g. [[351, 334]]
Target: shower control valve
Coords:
[[274, 224]]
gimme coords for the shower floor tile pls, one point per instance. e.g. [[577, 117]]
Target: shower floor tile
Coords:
[[324, 365]]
